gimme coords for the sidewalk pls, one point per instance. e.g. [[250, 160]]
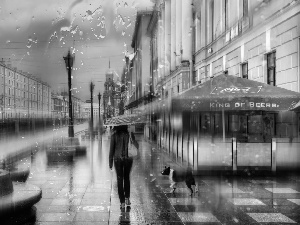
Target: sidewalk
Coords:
[[85, 192]]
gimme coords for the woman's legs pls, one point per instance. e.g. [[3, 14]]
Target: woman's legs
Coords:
[[127, 169], [119, 165]]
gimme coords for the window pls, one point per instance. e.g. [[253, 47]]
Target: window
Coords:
[[245, 8], [226, 14], [211, 19], [245, 70], [271, 68], [198, 32]]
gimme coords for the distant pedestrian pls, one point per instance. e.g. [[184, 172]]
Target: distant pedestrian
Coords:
[[118, 154]]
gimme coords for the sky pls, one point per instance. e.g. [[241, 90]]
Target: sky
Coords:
[[35, 35]]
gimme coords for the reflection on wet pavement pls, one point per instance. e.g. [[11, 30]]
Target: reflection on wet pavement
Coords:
[[85, 192]]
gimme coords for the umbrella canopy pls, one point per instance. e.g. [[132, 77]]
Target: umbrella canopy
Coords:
[[231, 93], [127, 120], [296, 107]]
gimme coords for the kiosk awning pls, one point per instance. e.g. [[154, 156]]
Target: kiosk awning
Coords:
[[231, 93]]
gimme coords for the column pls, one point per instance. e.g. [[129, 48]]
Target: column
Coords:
[[187, 22], [162, 41], [173, 35], [198, 32], [167, 36], [159, 47], [178, 31]]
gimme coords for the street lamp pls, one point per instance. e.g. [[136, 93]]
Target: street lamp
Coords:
[[99, 97], [69, 60], [92, 85]]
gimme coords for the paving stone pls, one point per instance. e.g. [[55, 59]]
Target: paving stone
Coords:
[[65, 201], [246, 201], [57, 217], [282, 190], [270, 218], [296, 201], [197, 217]]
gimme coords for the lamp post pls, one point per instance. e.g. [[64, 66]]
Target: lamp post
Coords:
[[69, 60], [99, 98], [92, 85]]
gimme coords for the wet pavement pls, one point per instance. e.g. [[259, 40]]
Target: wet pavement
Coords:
[[12, 146], [85, 192]]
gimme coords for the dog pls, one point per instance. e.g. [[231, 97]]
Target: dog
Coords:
[[177, 176]]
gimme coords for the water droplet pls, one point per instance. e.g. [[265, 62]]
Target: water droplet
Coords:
[[89, 12], [18, 28], [28, 53], [33, 18], [8, 41]]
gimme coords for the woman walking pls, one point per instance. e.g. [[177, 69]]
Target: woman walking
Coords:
[[118, 155]]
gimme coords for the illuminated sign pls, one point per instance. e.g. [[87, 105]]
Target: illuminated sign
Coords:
[[243, 105], [233, 90]]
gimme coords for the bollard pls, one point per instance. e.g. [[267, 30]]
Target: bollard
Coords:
[[234, 156], [273, 155], [17, 127]]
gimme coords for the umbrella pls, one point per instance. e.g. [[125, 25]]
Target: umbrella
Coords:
[[127, 120], [296, 107]]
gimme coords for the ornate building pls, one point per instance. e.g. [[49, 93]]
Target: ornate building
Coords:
[[111, 96]]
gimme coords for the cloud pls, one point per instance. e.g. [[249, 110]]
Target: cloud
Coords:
[[65, 21]]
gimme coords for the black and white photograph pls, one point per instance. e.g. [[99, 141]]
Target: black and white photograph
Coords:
[[149, 112]]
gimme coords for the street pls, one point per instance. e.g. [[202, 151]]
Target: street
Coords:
[[85, 192]]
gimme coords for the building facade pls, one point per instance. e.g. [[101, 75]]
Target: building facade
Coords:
[[192, 41], [23, 95], [87, 110], [60, 106], [111, 96]]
